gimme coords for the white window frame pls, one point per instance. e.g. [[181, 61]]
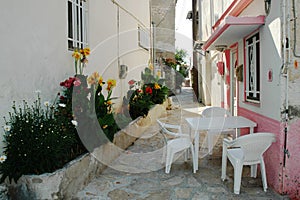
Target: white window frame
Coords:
[[252, 50], [77, 24], [143, 38]]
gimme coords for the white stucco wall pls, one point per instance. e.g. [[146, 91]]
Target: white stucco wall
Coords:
[[271, 53], [34, 53], [35, 56], [104, 36]]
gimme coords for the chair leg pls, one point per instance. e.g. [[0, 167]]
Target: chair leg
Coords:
[[186, 155], [164, 154], [193, 158], [169, 160], [254, 171], [224, 163], [263, 174], [210, 140], [238, 170]]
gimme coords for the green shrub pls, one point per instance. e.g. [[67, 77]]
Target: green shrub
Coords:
[[140, 100], [39, 139]]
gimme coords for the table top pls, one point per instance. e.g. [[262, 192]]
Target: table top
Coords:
[[207, 123]]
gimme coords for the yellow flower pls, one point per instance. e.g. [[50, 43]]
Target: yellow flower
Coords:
[[86, 51], [95, 75], [151, 66], [108, 102], [95, 78], [100, 80], [91, 80], [76, 55], [112, 82], [156, 86], [104, 127], [158, 73]]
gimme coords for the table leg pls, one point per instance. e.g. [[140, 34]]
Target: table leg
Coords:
[[253, 167], [224, 162], [196, 145], [251, 130]]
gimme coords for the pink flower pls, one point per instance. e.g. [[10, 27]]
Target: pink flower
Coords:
[[131, 82], [77, 82]]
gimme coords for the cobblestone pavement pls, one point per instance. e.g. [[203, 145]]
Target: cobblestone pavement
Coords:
[[139, 174]]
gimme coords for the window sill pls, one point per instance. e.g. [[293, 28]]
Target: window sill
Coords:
[[256, 104]]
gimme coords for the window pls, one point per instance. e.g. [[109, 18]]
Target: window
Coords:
[[144, 38], [77, 24], [253, 69]]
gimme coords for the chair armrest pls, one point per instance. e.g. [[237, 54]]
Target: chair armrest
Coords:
[[167, 125], [173, 126], [228, 143]]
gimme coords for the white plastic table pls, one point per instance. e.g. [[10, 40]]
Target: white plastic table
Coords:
[[197, 124]]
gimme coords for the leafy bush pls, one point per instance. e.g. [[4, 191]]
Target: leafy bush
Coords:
[[38, 139], [103, 106], [179, 65], [140, 98], [42, 139]]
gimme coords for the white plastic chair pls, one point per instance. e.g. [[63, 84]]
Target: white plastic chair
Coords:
[[248, 150], [215, 112], [179, 143]]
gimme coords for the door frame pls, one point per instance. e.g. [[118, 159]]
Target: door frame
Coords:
[[233, 80]]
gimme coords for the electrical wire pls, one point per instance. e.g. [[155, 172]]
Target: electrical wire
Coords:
[[129, 13]]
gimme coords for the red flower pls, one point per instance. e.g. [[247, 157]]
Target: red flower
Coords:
[[69, 82], [131, 82], [148, 90]]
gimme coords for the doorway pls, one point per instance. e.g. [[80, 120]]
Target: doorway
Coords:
[[233, 82]]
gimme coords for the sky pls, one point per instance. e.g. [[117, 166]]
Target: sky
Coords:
[[183, 27]]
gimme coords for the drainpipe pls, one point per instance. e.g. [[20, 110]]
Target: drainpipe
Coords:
[[200, 82], [286, 61], [151, 33], [285, 74], [195, 82]]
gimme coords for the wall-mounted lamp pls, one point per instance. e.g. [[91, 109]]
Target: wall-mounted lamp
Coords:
[[189, 15], [221, 47], [123, 71], [198, 47], [267, 6]]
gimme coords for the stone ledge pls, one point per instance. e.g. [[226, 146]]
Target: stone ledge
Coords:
[[66, 182]]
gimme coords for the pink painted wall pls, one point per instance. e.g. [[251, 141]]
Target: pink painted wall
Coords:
[[274, 155], [291, 182]]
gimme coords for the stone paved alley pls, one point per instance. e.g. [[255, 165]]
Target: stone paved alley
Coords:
[[140, 174]]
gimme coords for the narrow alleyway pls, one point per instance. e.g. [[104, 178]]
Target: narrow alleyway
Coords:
[[142, 176]]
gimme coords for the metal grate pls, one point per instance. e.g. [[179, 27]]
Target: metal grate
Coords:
[[253, 68], [77, 24]]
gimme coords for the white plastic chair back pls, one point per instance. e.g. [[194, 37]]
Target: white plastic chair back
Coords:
[[167, 128], [248, 150], [254, 145], [215, 112]]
